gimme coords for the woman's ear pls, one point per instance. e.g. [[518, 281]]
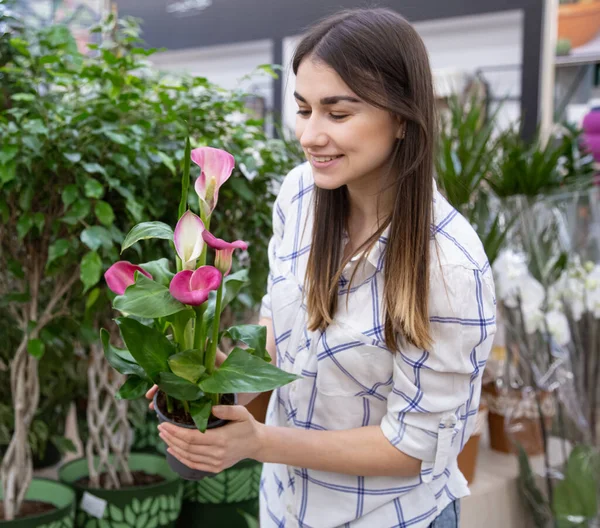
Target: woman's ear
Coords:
[[401, 130]]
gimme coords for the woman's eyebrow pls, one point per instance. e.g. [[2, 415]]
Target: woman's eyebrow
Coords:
[[331, 100]]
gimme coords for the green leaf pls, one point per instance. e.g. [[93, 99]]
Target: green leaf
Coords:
[[200, 412], [231, 286], [39, 220], [57, 250], [115, 513], [8, 153], [159, 269], [92, 297], [78, 211], [117, 138], [147, 230], [168, 161], [178, 388], [121, 360], [148, 299], [538, 505], [23, 97], [97, 236], [188, 365], [93, 189], [7, 173], [575, 496], [133, 388], [255, 336], [104, 213], [91, 270], [148, 346], [73, 157], [69, 194], [243, 372], [24, 225], [93, 168], [36, 348]]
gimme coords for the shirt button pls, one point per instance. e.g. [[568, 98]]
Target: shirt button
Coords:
[[289, 509], [450, 421]]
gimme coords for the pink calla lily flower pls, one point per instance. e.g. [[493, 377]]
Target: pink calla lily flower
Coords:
[[188, 239], [193, 287], [121, 275], [224, 251], [216, 165]]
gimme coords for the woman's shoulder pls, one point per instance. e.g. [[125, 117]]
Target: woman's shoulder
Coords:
[[454, 241]]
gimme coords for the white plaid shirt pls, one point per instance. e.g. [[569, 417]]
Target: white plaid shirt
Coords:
[[425, 401]]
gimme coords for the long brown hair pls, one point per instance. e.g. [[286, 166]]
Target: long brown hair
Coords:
[[382, 59]]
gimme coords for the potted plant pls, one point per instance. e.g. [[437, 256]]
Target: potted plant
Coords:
[[578, 21], [178, 350]]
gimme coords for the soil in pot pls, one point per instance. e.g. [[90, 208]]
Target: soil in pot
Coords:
[[180, 417], [140, 478], [29, 509]]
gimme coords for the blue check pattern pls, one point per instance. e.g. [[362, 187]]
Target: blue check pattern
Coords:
[[425, 401]]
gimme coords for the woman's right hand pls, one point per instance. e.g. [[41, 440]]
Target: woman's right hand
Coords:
[[150, 396]]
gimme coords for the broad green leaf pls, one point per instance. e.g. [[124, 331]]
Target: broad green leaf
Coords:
[[8, 173], [159, 269], [25, 198], [57, 250], [147, 230], [78, 211], [243, 372], [8, 153], [36, 348], [188, 365], [96, 237], [92, 297], [117, 138], [118, 358], [575, 496], [168, 161], [93, 168], [200, 412], [255, 336], [148, 346], [104, 213], [24, 225], [91, 270], [73, 157], [70, 194], [148, 299], [39, 220], [93, 189], [231, 286], [178, 388], [133, 388], [23, 97]]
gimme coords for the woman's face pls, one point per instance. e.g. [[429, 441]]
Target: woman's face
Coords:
[[346, 140]]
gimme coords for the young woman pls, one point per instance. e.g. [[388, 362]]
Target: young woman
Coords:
[[380, 296]]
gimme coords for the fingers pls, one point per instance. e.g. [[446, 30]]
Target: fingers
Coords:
[[150, 394], [200, 463], [188, 438], [235, 413]]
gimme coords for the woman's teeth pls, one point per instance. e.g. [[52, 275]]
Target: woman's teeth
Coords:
[[322, 159]]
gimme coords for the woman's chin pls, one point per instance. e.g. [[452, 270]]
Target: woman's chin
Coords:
[[327, 182]]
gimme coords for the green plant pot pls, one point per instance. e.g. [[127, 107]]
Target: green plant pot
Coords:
[[145, 436], [44, 490], [215, 501], [157, 505]]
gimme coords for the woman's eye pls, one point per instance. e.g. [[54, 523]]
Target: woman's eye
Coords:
[[303, 112], [338, 116]]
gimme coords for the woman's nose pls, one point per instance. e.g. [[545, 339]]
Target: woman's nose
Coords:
[[313, 134]]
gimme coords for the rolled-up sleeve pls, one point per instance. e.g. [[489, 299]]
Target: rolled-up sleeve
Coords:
[[435, 396]]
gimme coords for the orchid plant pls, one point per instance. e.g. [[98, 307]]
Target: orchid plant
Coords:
[[170, 322]]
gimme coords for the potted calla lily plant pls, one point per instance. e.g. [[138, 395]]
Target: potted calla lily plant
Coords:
[[170, 323]]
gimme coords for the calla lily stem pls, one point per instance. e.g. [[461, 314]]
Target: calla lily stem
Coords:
[[211, 355], [199, 329]]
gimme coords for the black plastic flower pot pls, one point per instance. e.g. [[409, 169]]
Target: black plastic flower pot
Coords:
[[156, 505], [181, 469], [43, 490]]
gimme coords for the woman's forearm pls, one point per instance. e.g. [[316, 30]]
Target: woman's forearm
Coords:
[[363, 452]]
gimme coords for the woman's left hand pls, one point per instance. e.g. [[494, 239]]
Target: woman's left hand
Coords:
[[216, 449]]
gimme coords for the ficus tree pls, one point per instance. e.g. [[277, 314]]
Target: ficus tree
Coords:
[[90, 146]]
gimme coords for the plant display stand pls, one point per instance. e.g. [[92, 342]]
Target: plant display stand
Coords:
[[61, 496], [215, 501], [153, 506]]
